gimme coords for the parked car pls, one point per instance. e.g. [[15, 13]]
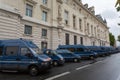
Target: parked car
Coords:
[[56, 58], [80, 50], [69, 56], [22, 55]]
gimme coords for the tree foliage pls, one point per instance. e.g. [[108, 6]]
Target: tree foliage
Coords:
[[112, 39], [119, 38], [117, 5]]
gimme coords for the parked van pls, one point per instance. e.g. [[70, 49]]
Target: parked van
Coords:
[[68, 55], [56, 58], [80, 50], [97, 49], [22, 55]]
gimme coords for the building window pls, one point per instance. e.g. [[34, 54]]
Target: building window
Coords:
[[95, 31], [81, 40], [67, 38], [74, 21], [92, 29], [80, 24], [66, 17], [43, 45], [28, 30], [44, 16], [44, 32], [29, 10], [88, 28], [66, 1], [44, 1], [93, 43], [75, 40]]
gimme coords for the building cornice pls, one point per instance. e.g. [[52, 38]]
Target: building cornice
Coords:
[[89, 12], [33, 20]]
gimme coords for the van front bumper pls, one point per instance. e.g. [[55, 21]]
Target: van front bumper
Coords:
[[45, 66]]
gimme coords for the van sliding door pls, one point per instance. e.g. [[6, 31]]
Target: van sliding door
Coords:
[[10, 58]]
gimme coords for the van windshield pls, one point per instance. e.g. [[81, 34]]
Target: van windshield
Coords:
[[53, 52]]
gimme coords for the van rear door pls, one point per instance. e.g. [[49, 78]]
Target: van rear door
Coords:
[[10, 58]]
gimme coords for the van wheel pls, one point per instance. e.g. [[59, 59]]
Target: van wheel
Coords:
[[91, 57], [55, 63], [75, 60], [33, 71]]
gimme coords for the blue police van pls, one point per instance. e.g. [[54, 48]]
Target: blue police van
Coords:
[[80, 50], [97, 49], [68, 55], [57, 59], [22, 55]]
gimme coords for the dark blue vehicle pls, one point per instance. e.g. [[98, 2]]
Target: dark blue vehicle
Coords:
[[80, 50], [56, 58], [97, 49], [106, 50], [69, 56], [117, 50], [22, 55]]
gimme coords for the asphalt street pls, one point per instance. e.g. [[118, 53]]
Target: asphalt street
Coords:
[[105, 68], [108, 69]]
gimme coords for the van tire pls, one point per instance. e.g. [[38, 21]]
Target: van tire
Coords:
[[33, 71], [91, 57], [55, 63], [75, 60]]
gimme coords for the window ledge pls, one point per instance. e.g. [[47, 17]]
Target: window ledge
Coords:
[[44, 7], [28, 35], [67, 25], [44, 37], [32, 1]]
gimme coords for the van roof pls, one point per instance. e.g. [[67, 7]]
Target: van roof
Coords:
[[17, 42], [71, 46]]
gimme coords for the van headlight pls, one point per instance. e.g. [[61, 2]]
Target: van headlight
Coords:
[[44, 63], [61, 59]]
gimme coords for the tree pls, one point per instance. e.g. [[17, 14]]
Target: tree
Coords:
[[119, 38], [117, 5], [112, 39]]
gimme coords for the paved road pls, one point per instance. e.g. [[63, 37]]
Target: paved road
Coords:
[[103, 69], [108, 69]]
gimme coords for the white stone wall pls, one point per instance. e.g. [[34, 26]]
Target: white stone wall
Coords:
[[13, 20], [9, 25]]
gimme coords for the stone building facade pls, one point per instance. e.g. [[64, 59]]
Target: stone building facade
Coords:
[[50, 23]]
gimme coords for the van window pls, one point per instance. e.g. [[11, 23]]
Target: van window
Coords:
[[25, 51], [11, 50], [71, 49], [62, 48], [1, 50], [80, 49]]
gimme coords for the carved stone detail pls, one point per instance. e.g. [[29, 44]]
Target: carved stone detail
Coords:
[[60, 1]]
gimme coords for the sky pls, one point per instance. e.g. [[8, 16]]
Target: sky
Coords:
[[106, 8]]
